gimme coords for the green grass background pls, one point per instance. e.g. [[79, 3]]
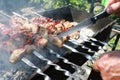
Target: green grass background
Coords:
[[111, 42]]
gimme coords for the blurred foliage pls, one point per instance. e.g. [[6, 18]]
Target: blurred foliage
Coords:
[[97, 8], [53, 4], [111, 42], [116, 17]]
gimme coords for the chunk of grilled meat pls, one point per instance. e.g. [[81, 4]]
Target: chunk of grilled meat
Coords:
[[74, 35], [16, 55], [42, 42], [29, 48], [56, 41], [31, 27]]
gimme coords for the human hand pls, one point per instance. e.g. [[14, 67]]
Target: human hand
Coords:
[[109, 65], [113, 7]]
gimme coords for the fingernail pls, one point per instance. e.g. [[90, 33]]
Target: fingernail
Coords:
[[110, 10]]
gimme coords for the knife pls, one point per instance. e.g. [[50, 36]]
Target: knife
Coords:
[[85, 23]]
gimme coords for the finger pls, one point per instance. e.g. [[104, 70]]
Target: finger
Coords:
[[114, 8]]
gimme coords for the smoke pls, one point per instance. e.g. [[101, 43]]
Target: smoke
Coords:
[[8, 71], [14, 5]]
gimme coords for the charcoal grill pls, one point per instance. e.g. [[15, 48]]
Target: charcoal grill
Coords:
[[60, 63]]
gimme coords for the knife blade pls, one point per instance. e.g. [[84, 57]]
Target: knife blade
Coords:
[[85, 23]]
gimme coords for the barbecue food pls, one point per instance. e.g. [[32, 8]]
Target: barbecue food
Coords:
[[44, 27], [4, 30], [55, 27], [74, 35], [29, 48], [42, 42], [31, 27], [56, 41], [36, 33], [16, 55]]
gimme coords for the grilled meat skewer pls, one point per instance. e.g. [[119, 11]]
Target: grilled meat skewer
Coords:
[[54, 40], [28, 29]]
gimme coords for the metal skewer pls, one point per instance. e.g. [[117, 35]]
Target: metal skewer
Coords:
[[36, 13], [20, 16], [3, 13], [76, 67], [100, 47], [76, 42], [39, 71], [103, 43], [82, 46], [76, 51], [57, 67]]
